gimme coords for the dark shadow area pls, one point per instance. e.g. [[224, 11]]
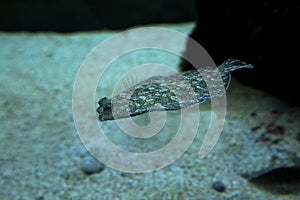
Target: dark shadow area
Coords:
[[264, 33], [280, 181], [78, 15]]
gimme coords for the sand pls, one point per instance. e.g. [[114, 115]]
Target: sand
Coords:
[[42, 155]]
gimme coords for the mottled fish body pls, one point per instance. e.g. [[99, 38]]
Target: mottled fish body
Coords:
[[174, 92]]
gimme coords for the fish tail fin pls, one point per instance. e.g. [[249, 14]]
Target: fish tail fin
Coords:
[[233, 64]]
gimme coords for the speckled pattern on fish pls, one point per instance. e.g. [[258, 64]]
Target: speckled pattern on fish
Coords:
[[181, 90]]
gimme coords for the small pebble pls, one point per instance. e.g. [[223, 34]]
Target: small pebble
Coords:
[[218, 186], [90, 165], [253, 114]]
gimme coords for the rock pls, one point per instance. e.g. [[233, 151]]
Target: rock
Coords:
[[218, 186], [90, 165]]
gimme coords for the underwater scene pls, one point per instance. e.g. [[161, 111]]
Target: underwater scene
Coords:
[[158, 100]]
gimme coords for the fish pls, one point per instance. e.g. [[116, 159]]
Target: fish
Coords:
[[169, 93]]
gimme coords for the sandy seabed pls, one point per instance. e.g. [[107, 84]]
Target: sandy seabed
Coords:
[[41, 153]]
